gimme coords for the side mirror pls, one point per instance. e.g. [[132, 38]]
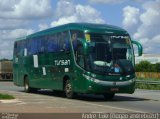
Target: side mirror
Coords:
[[140, 48]]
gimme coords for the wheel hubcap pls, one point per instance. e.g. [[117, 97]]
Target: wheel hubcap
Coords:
[[68, 89], [26, 86]]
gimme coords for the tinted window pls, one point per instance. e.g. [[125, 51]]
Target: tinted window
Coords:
[[63, 41], [52, 43], [49, 43], [19, 48], [41, 44], [57, 42], [32, 46], [76, 35], [35, 45], [15, 48]]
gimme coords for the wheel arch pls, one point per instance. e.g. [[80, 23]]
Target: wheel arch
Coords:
[[25, 78], [65, 78]]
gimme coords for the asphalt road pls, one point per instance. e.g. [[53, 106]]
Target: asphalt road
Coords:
[[142, 101]]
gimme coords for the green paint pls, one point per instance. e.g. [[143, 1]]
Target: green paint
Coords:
[[54, 68]]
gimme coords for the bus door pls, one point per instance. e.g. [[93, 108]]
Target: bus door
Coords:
[[80, 68]]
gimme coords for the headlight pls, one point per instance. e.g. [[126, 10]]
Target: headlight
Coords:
[[132, 80], [91, 78]]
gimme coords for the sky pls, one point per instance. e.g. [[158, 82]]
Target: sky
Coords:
[[18, 18]]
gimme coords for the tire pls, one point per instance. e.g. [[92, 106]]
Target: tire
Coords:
[[27, 88], [68, 90], [109, 96]]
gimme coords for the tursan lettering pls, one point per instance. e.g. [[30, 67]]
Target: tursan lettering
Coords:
[[62, 62]]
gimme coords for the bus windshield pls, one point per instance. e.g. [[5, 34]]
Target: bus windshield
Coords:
[[111, 54]]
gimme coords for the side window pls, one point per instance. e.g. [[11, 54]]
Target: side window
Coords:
[[63, 41], [24, 48], [49, 43], [29, 47], [52, 43], [32, 46], [41, 44], [19, 48], [15, 48], [80, 56], [76, 35], [66, 43], [60, 41], [57, 42], [35, 45]]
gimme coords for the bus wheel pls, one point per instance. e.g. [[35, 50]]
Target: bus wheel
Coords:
[[27, 89], [68, 90], [109, 96]]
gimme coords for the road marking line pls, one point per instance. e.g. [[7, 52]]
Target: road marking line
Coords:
[[10, 101], [106, 106], [22, 103], [115, 107]]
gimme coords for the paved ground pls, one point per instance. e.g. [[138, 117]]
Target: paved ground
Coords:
[[45, 101]]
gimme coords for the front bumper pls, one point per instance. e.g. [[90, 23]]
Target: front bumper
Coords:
[[100, 86]]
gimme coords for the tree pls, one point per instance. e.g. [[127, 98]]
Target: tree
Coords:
[[143, 66], [157, 67]]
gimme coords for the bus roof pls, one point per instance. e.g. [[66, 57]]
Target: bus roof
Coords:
[[88, 27]]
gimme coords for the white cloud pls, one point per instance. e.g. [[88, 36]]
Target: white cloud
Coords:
[[156, 39], [149, 26], [42, 27], [131, 16], [12, 23], [16, 18], [64, 20], [106, 1], [16, 33], [152, 13], [24, 9], [77, 13], [7, 40], [66, 6], [7, 5], [147, 30]]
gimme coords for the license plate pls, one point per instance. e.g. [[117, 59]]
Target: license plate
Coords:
[[114, 89]]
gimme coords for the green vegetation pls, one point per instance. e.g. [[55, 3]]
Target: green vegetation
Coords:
[[147, 86], [145, 66], [4, 59], [6, 96]]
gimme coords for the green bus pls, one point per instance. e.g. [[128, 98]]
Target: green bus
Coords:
[[76, 58]]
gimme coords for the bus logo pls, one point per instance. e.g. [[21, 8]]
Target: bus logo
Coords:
[[62, 62]]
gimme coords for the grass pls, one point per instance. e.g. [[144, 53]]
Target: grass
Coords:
[[6, 96], [149, 79], [148, 86]]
